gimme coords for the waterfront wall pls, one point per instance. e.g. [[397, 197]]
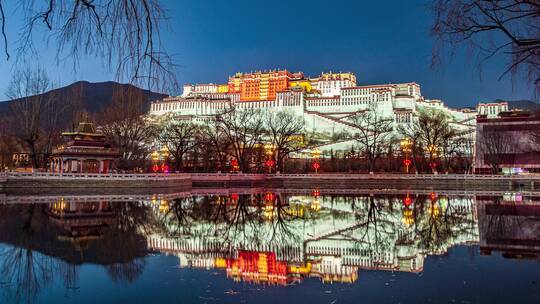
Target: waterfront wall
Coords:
[[80, 181], [369, 181], [35, 181]]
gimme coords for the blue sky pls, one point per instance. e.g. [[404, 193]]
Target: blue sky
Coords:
[[380, 41]]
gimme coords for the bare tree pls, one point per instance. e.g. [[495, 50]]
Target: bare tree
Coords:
[[374, 133], [214, 145], [7, 142], [284, 130], [124, 34], [180, 136], [34, 112], [493, 147], [490, 28], [123, 125], [432, 135], [243, 130]]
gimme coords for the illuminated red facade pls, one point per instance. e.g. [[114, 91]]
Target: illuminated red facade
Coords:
[[260, 85], [258, 267], [508, 143]]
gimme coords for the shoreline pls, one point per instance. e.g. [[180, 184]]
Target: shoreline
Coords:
[[36, 182]]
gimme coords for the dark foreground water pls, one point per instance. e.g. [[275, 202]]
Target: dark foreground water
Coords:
[[271, 247]]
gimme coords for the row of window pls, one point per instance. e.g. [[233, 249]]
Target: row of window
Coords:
[[363, 91]]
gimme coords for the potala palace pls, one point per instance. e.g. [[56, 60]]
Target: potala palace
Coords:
[[325, 102]]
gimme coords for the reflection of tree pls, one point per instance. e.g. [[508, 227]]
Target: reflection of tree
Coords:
[[246, 220], [437, 223], [374, 224], [283, 224], [27, 270], [126, 272], [39, 253]]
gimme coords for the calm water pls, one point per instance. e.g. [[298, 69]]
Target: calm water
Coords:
[[256, 246]]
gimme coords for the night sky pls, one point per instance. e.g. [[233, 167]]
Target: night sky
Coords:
[[380, 41]]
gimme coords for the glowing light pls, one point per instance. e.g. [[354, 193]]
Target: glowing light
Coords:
[[155, 156], [407, 201], [315, 205], [408, 218], [269, 196]]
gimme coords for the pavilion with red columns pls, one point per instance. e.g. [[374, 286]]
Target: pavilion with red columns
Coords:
[[86, 151]]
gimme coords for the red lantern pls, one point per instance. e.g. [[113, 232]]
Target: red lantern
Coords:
[[407, 162], [316, 165], [155, 168], [433, 165], [407, 201], [269, 163], [316, 193], [234, 163], [433, 196], [269, 196], [165, 168], [234, 196]]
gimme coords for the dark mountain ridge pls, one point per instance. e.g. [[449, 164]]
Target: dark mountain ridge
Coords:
[[92, 97]]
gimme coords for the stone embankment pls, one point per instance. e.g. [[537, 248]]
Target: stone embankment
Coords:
[[35, 181], [132, 182], [369, 181]]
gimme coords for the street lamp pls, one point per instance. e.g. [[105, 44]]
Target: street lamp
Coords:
[[406, 147], [157, 156], [269, 150], [315, 155], [155, 159], [432, 150]]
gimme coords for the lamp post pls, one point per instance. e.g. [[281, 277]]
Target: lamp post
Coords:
[[432, 150], [406, 148], [158, 156], [315, 155], [155, 159], [269, 150]]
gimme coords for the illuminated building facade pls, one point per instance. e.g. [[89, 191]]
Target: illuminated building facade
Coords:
[[508, 143], [330, 84], [492, 109], [326, 102], [86, 151], [260, 85]]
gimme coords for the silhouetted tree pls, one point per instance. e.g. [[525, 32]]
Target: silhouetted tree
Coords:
[[285, 131], [374, 132], [491, 28], [123, 34]]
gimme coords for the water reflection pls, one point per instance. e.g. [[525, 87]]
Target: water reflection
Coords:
[[282, 239], [264, 237]]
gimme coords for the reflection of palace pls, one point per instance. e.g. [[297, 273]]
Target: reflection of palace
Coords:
[[328, 237], [81, 222]]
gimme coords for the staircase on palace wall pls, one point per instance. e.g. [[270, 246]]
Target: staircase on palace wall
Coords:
[[327, 122]]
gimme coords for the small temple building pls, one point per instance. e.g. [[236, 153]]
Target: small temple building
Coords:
[[86, 151]]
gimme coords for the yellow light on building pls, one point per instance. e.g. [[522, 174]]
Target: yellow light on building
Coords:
[[223, 88], [220, 263]]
